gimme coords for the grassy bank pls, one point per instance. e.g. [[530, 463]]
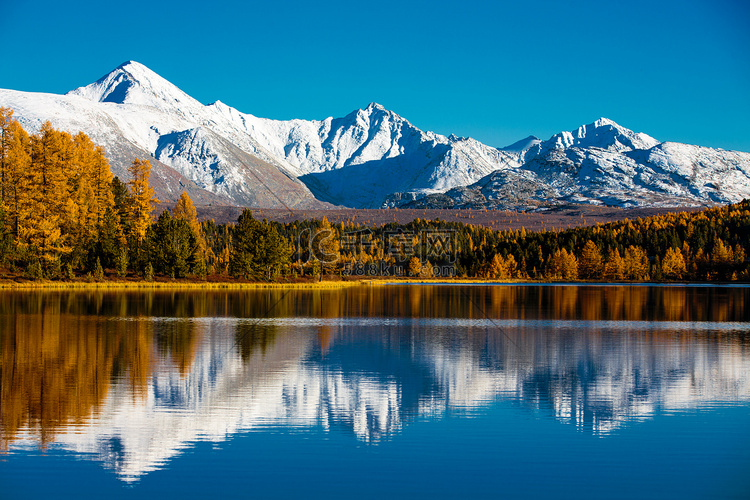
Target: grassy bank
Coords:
[[166, 285], [458, 281]]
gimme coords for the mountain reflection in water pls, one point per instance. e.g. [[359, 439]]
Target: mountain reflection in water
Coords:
[[130, 379]]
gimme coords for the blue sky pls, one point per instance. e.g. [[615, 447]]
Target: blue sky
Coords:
[[494, 71]]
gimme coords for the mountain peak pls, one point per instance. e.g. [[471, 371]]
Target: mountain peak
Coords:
[[522, 145], [374, 109], [132, 65], [604, 134], [604, 122], [133, 83], [375, 106], [374, 113]]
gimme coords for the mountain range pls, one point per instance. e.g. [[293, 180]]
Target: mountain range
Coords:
[[372, 157]]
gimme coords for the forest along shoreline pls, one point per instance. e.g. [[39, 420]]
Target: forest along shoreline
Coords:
[[66, 221]]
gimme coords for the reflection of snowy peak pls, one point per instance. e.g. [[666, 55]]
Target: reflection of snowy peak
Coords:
[[371, 383]]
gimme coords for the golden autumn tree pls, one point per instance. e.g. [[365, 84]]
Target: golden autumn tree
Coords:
[[503, 268], [590, 262], [16, 161], [325, 246], [636, 263], [45, 212], [555, 265], [721, 254], [184, 209], [614, 267], [570, 271], [90, 196], [142, 199], [673, 265], [414, 267], [497, 267], [6, 118], [563, 264], [92, 176]]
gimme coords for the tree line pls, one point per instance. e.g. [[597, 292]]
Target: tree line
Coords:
[[708, 245], [63, 215]]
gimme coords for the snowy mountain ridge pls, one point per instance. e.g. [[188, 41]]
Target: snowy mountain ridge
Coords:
[[371, 157], [601, 163], [603, 134]]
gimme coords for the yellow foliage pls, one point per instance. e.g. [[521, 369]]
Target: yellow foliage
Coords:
[[142, 198], [673, 264], [590, 263], [636, 263], [614, 268]]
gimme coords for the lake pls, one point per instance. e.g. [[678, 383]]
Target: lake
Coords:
[[399, 391]]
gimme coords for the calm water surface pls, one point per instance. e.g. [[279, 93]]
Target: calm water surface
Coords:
[[398, 391]]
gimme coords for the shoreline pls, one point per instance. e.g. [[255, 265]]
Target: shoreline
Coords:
[[313, 285], [143, 285]]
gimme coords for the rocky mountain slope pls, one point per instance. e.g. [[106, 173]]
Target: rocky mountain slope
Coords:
[[604, 164], [371, 157]]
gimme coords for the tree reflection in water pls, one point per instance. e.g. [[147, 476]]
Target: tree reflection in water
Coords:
[[366, 359]]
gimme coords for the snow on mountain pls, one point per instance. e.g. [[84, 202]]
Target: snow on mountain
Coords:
[[133, 112], [722, 176], [208, 159], [357, 160], [135, 84], [604, 134], [371, 157], [123, 143], [522, 145], [604, 163], [362, 158]]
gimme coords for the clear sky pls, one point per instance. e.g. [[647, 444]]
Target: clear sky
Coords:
[[494, 71]]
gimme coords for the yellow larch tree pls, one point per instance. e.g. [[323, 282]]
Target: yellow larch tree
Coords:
[[6, 119], [16, 185], [91, 193], [614, 267], [184, 209], [673, 266], [51, 160], [590, 263], [563, 264], [80, 213], [635, 263], [142, 199]]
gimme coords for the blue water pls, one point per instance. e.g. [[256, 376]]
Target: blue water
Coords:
[[304, 403], [504, 453]]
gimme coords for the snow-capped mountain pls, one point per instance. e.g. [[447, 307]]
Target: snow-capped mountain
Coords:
[[605, 164], [371, 157], [134, 113], [602, 134]]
